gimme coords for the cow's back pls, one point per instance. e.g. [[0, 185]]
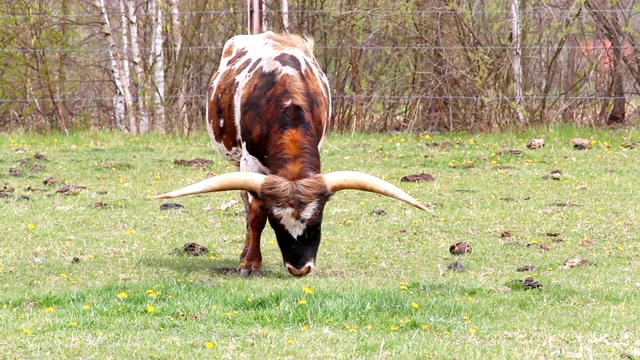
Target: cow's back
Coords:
[[259, 77]]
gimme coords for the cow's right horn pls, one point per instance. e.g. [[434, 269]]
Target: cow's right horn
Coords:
[[355, 180], [240, 180]]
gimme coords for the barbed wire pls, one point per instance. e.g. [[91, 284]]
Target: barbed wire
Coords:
[[293, 11], [203, 97], [596, 45]]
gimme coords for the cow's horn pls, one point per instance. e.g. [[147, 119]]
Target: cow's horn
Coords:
[[342, 180], [249, 181]]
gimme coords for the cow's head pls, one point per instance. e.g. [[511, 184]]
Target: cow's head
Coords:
[[294, 208]]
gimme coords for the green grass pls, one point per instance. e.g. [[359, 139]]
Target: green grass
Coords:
[[381, 288]]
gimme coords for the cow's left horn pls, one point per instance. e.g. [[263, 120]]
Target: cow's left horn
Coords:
[[231, 181], [342, 180]]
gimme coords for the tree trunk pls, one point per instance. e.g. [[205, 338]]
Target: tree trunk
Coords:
[[285, 16], [138, 67], [612, 30], [176, 36], [255, 16], [158, 70], [188, 37], [517, 61], [122, 100]]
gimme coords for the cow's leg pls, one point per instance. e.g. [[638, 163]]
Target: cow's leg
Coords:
[[245, 202], [256, 221]]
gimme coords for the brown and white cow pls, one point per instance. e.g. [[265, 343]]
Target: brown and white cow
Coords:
[[268, 110]]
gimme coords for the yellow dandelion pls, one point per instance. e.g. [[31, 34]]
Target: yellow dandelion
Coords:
[[425, 326], [369, 327], [291, 341], [86, 306], [130, 231], [209, 345], [63, 275], [123, 295], [403, 286], [73, 323], [27, 331], [473, 330], [304, 328], [249, 299], [393, 328], [50, 309], [307, 290], [31, 226], [151, 308], [302, 302], [415, 305]]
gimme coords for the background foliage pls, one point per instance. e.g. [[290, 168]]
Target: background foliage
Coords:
[[393, 65]]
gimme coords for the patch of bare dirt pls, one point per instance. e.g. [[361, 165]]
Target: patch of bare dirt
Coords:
[[197, 162]]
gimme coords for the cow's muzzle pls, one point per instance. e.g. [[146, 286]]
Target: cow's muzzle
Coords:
[[306, 269]]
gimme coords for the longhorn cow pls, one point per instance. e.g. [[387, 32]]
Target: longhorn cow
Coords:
[[268, 109]]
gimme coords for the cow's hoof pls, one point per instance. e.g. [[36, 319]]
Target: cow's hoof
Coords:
[[250, 272]]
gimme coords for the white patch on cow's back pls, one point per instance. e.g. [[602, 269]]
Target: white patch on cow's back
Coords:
[[294, 226], [258, 48]]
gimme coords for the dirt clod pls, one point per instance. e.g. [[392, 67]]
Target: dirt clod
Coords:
[[570, 263], [535, 144], [379, 212], [100, 205], [40, 156], [75, 260], [70, 189], [529, 267], [581, 144], [51, 181], [418, 177], [456, 266], [460, 248], [194, 249], [506, 234], [530, 283], [171, 206]]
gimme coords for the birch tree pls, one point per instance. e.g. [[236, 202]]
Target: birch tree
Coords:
[[122, 100], [285, 15], [138, 66], [176, 38], [517, 60], [158, 69]]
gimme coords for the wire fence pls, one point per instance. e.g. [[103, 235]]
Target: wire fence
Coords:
[[419, 67]]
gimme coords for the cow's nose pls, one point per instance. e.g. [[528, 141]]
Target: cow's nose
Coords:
[[306, 269]]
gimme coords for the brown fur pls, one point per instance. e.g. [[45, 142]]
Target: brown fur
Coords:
[[279, 191]]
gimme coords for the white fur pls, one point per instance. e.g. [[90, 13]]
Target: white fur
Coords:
[[294, 226]]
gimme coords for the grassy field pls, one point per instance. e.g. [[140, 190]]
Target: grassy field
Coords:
[[89, 270]]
